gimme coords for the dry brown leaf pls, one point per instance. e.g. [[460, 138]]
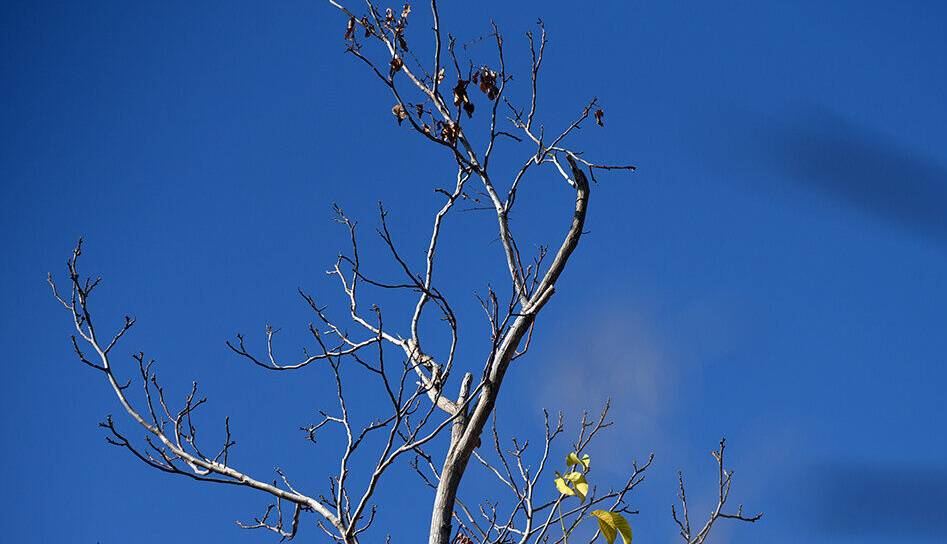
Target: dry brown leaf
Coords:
[[460, 92], [396, 64], [350, 30], [600, 117], [399, 112]]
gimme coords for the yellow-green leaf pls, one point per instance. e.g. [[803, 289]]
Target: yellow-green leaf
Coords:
[[573, 459], [579, 483], [612, 524], [563, 487]]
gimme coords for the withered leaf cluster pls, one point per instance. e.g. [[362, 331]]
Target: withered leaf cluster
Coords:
[[351, 25], [397, 25], [449, 131], [369, 28], [486, 79]]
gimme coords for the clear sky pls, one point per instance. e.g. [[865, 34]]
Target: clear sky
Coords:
[[774, 272]]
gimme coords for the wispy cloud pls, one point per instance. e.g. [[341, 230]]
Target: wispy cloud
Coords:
[[621, 356], [653, 362], [861, 167], [890, 500]]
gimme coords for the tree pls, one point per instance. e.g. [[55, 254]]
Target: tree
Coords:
[[429, 405]]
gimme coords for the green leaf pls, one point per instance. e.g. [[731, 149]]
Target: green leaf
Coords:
[[612, 524]]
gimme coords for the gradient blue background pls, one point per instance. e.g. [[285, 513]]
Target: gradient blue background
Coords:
[[774, 272]]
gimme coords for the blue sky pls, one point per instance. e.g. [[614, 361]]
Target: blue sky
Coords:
[[774, 272]]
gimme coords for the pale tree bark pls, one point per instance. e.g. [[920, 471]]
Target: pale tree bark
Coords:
[[418, 388]]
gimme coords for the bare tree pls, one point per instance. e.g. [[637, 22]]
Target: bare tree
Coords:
[[436, 99]]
